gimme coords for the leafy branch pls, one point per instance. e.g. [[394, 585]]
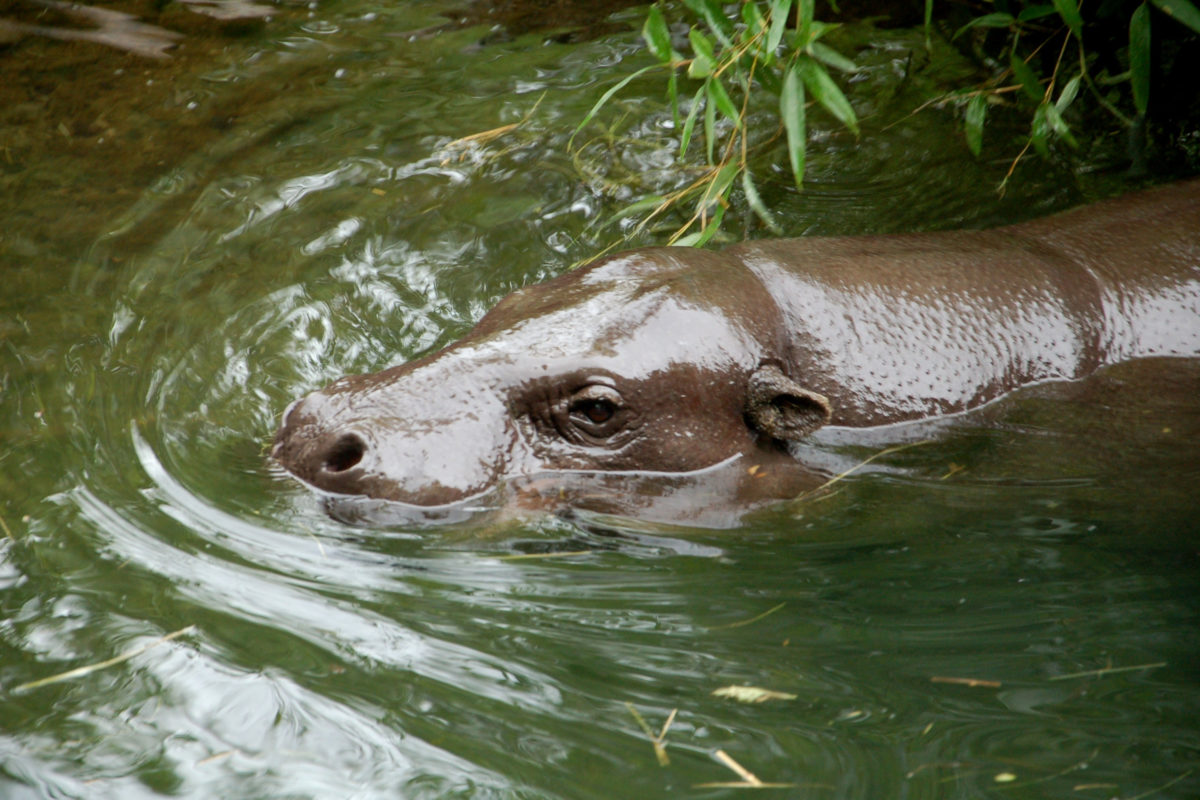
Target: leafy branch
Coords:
[[1048, 122], [775, 46]]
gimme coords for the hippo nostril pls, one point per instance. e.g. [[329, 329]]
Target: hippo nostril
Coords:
[[347, 451]]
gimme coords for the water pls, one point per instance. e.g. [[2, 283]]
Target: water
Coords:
[[1009, 612]]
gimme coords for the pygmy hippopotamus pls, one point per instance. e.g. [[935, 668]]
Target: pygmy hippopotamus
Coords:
[[670, 361]]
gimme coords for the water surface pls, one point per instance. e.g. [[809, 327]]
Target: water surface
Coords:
[[1010, 612]]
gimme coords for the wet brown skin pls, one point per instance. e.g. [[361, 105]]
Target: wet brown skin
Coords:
[[669, 363]]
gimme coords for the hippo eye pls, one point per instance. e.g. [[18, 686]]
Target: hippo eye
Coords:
[[598, 411], [595, 410]]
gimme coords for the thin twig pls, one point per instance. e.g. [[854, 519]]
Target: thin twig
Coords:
[[659, 741], [1106, 671], [79, 672], [859, 465], [750, 621]]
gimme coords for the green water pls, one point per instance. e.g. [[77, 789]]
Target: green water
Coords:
[[334, 228]]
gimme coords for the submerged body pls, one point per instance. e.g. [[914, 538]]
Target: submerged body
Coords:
[[672, 361]]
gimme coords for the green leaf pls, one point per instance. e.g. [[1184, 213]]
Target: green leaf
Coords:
[[645, 204], [997, 20], [703, 61], [714, 16], [1139, 57], [804, 23], [780, 10], [604, 98], [1031, 13], [720, 184], [827, 93], [1026, 77], [656, 34], [1181, 10], [710, 122], [817, 29], [791, 109], [1039, 132], [756, 24], [673, 96], [757, 205], [701, 239], [690, 123], [718, 95], [1069, 11], [1068, 93], [976, 114], [826, 54], [1059, 125]]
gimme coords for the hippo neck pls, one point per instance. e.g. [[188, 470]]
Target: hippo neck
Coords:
[[900, 327]]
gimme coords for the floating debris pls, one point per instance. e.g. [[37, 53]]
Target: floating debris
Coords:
[[79, 672], [972, 682], [748, 779], [659, 741], [1096, 673], [751, 694]]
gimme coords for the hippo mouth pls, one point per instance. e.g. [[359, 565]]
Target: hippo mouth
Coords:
[[362, 511]]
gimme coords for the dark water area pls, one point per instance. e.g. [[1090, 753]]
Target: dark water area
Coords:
[[1010, 611]]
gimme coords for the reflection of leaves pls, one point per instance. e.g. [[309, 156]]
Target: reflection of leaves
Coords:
[[226, 10], [751, 694], [113, 28]]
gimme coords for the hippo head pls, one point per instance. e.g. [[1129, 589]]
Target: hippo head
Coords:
[[636, 364]]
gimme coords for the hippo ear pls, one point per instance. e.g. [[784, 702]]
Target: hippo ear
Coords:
[[781, 408]]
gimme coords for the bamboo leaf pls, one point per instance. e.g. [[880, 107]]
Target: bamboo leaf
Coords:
[[1031, 13], [1069, 11], [710, 122], [1026, 77], [689, 124], [804, 23], [1181, 10], [976, 114], [1068, 94], [714, 16], [757, 205], [780, 10], [718, 95], [997, 20], [703, 60], [1059, 125], [719, 187], [673, 96], [756, 24], [1039, 132], [827, 55], [700, 239], [657, 35], [791, 109], [604, 98], [1139, 57], [645, 204], [827, 93]]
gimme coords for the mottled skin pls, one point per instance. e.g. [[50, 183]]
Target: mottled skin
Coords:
[[672, 360]]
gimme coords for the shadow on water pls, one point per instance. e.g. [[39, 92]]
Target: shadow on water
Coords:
[[1009, 611]]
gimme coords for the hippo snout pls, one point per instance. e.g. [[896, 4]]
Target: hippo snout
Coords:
[[385, 442], [324, 459], [336, 460]]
